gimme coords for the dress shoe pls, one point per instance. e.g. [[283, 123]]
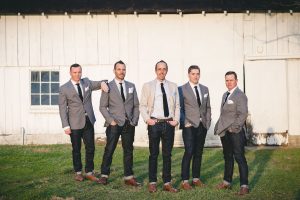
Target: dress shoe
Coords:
[[186, 186], [103, 180], [79, 177], [169, 188], [152, 188], [223, 186], [243, 191], [132, 182], [198, 183], [91, 177]]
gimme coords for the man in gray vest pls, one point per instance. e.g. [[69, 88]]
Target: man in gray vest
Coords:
[[77, 117], [234, 111], [120, 108], [196, 113]]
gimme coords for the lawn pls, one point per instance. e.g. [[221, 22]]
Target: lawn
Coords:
[[45, 172]]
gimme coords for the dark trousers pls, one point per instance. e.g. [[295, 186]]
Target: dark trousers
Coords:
[[234, 148], [87, 135], [194, 139], [113, 133], [165, 132]]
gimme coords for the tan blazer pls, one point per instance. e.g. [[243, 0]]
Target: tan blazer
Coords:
[[147, 100]]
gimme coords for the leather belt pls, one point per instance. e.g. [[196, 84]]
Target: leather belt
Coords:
[[162, 120]]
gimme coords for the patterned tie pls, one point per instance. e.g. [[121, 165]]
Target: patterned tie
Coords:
[[198, 96], [227, 94], [122, 92], [165, 102], [79, 92]]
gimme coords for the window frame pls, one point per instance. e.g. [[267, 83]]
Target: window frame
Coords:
[[43, 108]]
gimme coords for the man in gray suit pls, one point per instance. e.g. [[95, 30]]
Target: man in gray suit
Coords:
[[230, 127], [197, 117], [160, 109], [120, 108], [77, 117]]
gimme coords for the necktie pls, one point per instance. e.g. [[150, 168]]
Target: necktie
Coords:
[[227, 94], [122, 92], [165, 102], [79, 91], [198, 96]]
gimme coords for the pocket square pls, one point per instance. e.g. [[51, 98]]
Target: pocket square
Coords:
[[86, 89], [205, 95], [130, 90], [230, 102]]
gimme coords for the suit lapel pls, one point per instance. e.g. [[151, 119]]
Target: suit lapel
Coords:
[[191, 92], [73, 90], [84, 85], [115, 89], [202, 94], [127, 90]]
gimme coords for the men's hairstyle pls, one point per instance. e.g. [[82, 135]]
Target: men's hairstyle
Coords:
[[74, 65], [231, 73], [193, 67], [161, 61], [119, 62]]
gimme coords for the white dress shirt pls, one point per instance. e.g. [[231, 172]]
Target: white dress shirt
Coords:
[[158, 110]]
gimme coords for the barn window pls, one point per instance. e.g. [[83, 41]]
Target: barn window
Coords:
[[44, 87]]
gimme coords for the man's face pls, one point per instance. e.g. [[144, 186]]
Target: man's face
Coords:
[[161, 71], [120, 71], [75, 73], [230, 82], [194, 76]]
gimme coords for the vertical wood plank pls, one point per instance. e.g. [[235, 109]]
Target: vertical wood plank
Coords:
[[12, 40], [34, 40], [23, 41]]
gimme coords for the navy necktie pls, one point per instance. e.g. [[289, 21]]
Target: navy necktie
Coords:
[[79, 92], [198, 96], [227, 94], [165, 102], [122, 92]]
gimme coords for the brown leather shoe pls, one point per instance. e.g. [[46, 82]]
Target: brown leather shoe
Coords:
[[243, 191], [132, 182], [186, 186], [79, 177], [92, 178], [223, 186], [198, 183], [103, 181], [169, 188], [152, 188]]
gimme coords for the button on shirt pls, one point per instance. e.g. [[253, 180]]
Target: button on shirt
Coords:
[[119, 86], [158, 110], [198, 88]]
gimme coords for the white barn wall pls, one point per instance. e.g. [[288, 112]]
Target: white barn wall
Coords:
[[215, 42]]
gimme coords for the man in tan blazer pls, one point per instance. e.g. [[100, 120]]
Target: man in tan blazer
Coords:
[[230, 127], [77, 117], [160, 109]]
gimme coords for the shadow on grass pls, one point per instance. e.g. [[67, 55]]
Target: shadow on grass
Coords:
[[258, 165]]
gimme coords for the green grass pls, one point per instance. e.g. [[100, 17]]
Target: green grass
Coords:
[[45, 172]]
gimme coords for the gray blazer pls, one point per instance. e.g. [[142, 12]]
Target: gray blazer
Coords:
[[192, 111], [233, 113], [112, 106], [71, 109]]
